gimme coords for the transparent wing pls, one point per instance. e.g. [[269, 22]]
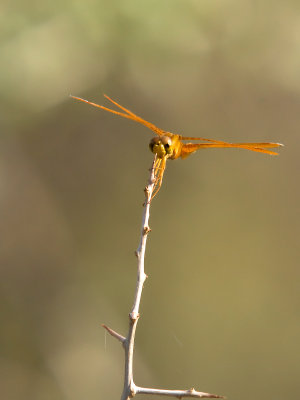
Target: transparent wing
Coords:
[[190, 148], [260, 144], [128, 114]]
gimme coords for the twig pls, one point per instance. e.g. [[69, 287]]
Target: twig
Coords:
[[178, 393], [130, 389]]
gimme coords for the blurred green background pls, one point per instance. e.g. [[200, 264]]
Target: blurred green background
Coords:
[[220, 310]]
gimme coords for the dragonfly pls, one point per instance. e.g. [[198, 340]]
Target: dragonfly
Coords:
[[170, 146]]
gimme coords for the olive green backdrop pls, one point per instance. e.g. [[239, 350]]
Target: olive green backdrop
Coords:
[[220, 310]]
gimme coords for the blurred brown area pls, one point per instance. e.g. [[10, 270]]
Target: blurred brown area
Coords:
[[220, 309]]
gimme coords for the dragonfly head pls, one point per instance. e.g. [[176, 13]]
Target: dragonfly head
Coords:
[[161, 146]]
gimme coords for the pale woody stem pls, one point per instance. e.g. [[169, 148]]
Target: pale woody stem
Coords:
[[130, 389]]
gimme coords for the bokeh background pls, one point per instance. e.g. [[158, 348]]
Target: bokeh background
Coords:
[[220, 310]]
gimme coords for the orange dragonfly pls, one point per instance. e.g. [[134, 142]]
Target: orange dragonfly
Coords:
[[167, 145]]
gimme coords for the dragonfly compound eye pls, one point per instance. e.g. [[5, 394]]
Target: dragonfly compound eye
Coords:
[[153, 143], [167, 143]]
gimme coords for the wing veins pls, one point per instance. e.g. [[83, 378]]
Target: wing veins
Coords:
[[128, 115], [190, 147]]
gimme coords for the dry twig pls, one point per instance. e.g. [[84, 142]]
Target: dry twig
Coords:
[[130, 389]]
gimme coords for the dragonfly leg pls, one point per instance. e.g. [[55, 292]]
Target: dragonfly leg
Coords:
[[159, 173]]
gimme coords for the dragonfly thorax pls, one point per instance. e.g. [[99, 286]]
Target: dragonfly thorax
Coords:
[[161, 146]]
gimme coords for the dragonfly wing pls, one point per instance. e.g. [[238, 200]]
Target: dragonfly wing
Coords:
[[200, 138], [127, 114], [263, 144], [260, 144], [102, 107], [136, 118], [190, 148], [119, 105]]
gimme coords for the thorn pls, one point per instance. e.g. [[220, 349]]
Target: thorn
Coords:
[[114, 333]]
